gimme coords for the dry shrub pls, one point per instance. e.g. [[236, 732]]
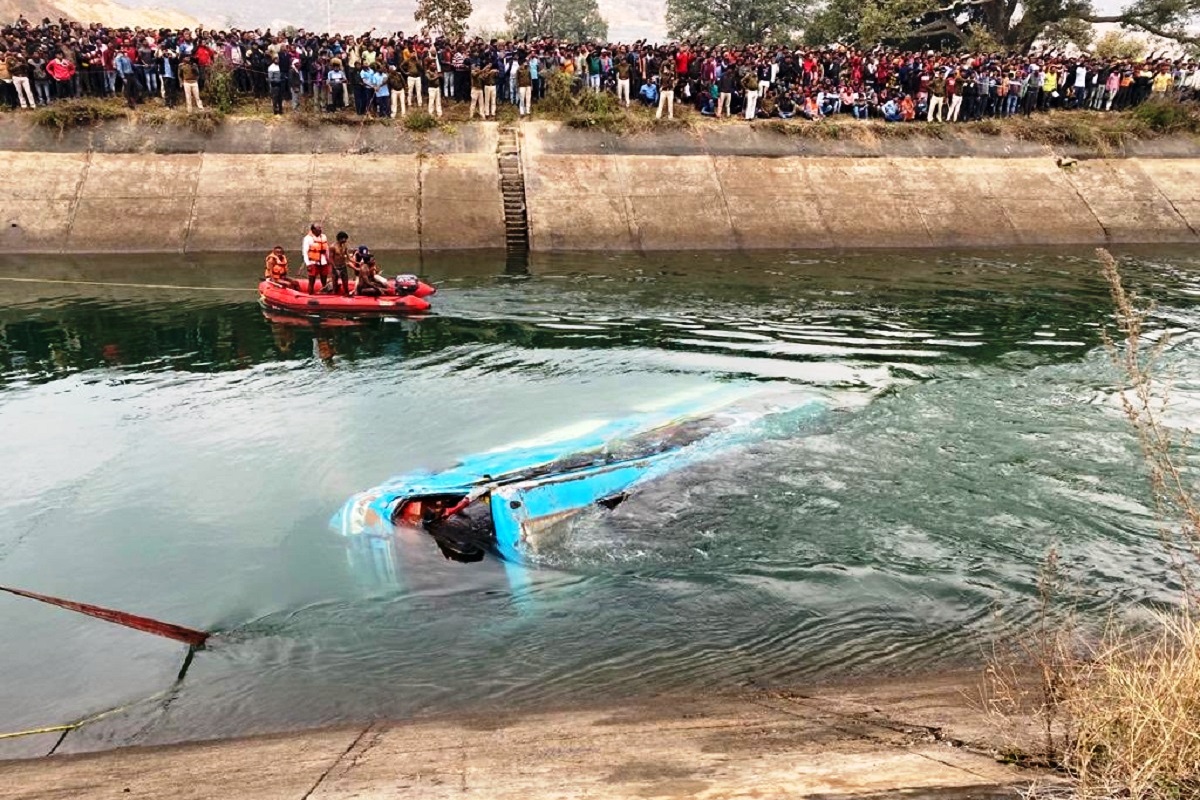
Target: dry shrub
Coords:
[[64, 114], [204, 122], [1134, 709], [1168, 116], [1144, 402], [420, 121]]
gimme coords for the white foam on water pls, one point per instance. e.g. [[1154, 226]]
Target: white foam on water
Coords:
[[572, 431]]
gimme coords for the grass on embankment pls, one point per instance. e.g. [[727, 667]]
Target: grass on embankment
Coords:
[[1099, 132]]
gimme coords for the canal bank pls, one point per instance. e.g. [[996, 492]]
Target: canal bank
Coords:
[[924, 738], [125, 187]]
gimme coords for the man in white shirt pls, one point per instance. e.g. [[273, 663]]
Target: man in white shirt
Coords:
[[315, 248]]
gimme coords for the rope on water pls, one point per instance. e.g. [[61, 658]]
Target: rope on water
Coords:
[[71, 726], [179, 287], [194, 639]]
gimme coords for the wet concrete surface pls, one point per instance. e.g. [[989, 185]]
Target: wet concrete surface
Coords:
[[919, 739]]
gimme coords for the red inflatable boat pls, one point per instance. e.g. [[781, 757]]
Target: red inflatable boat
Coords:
[[273, 295]]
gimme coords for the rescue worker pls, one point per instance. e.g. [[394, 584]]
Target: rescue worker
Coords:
[[363, 263], [276, 269], [339, 259], [316, 257]]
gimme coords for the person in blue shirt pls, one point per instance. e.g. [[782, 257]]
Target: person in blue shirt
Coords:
[[649, 92], [383, 99], [534, 66], [129, 85], [364, 91]]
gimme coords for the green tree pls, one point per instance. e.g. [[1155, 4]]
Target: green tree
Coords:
[[1010, 24], [1119, 46], [1170, 19], [572, 20], [736, 21], [443, 17]]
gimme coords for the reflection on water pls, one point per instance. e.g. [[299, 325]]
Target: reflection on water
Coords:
[[178, 453]]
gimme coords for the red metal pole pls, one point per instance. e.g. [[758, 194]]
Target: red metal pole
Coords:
[[190, 637]]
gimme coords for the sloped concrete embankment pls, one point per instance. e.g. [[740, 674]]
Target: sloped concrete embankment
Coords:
[[118, 202], [732, 198], [920, 740], [123, 188]]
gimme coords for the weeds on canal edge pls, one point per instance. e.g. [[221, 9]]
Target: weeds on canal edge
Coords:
[[1119, 714]]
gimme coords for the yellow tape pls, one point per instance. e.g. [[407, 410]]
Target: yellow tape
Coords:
[[86, 720], [36, 731]]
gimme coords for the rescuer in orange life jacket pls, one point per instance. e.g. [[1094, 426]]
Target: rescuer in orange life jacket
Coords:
[[276, 269], [316, 258]]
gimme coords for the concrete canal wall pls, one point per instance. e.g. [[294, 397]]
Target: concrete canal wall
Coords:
[[121, 188]]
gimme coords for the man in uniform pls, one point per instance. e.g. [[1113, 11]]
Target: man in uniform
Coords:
[[433, 80], [477, 78], [316, 257], [666, 89]]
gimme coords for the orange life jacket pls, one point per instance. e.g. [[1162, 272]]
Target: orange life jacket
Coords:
[[276, 267], [317, 249]]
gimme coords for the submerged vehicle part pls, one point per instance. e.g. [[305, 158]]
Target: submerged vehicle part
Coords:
[[497, 502]]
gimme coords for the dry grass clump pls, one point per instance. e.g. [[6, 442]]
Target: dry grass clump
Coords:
[[1100, 133], [1119, 716], [1134, 710], [420, 121], [79, 113], [851, 130], [204, 122]]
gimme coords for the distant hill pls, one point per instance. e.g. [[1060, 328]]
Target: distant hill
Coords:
[[105, 11]]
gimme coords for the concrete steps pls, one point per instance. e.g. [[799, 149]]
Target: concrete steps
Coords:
[[512, 190]]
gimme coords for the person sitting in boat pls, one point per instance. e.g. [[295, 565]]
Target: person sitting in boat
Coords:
[[316, 257], [363, 263], [405, 285], [276, 270]]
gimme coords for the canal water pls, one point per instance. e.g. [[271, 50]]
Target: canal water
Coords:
[[172, 451]]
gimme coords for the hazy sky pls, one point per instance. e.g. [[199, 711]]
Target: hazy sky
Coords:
[[627, 19]]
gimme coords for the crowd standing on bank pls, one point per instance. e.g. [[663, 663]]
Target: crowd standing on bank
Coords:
[[390, 75]]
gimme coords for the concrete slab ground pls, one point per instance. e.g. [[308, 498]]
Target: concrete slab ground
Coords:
[[920, 739]]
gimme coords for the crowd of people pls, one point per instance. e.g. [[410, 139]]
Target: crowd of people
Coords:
[[390, 75]]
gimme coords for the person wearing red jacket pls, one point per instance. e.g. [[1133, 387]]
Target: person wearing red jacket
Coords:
[[62, 71], [204, 59]]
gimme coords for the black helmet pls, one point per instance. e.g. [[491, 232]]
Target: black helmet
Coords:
[[406, 284]]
